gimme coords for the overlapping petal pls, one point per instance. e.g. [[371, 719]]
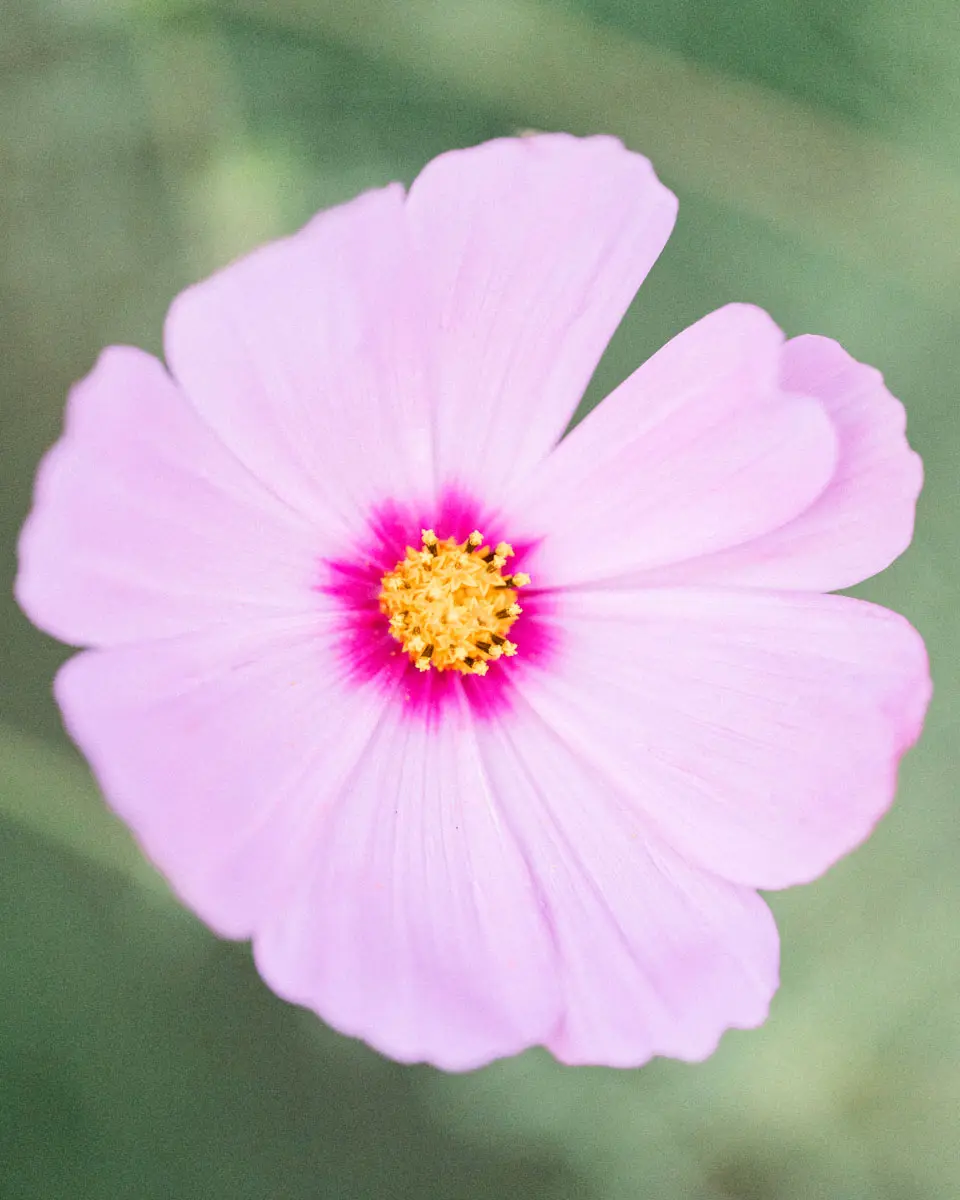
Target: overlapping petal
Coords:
[[759, 733], [698, 450], [656, 956], [145, 526], [444, 340], [363, 852], [863, 520], [533, 247], [308, 360]]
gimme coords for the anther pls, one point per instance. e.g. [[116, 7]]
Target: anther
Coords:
[[441, 603]]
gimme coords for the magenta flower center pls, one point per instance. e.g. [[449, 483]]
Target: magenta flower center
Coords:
[[450, 605]]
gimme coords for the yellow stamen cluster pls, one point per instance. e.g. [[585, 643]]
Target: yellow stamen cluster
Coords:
[[450, 605]]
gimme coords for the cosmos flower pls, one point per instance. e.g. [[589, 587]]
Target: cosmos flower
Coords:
[[485, 738]]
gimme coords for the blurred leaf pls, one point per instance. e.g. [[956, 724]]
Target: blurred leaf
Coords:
[[50, 791], [871, 201]]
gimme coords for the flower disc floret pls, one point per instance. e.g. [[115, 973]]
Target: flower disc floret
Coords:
[[450, 605]]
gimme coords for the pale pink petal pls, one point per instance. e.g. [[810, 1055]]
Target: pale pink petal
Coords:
[[698, 450], [418, 925], [864, 518], [223, 752], [307, 359], [145, 526], [656, 956], [360, 847], [759, 732], [534, 248]]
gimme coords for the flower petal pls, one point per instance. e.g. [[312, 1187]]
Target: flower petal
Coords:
[[656, 956], [418, 925], [698, 450], [222, 752], [534, 247], [760, 733], [145, 526], [863, 520], [306, 357], [360, 846]]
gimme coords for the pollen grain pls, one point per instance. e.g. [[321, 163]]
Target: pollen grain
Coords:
[[450, 605]]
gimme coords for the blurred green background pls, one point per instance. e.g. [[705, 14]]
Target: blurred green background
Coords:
[[815, 149]]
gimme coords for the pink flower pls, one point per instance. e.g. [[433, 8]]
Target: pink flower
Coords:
[[310, 712]]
